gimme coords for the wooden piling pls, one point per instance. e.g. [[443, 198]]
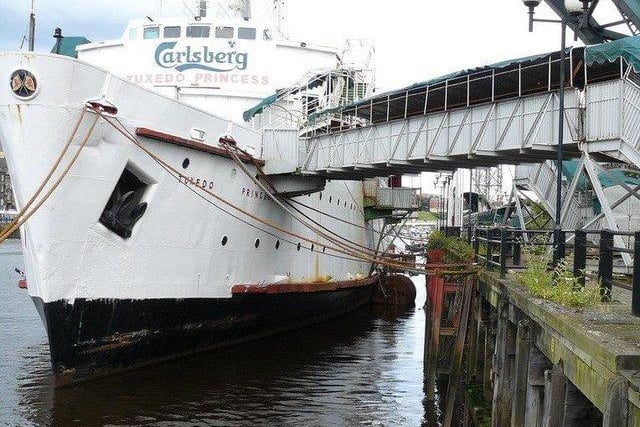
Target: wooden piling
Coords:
[[616, 411], [538, 364], [503, 369], [489, 348], [519, 385], [432, 352], [578, 410], [554, 396]]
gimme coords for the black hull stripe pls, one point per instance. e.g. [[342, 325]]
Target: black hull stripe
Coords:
[[93, 338]]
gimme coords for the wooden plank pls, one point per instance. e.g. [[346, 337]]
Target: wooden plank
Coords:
[[469, 287], [519, 390], [554, 395]]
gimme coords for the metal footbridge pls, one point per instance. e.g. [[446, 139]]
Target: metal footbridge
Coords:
[[501, 115]]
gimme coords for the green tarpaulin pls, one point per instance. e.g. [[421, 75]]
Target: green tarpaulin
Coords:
[[68, 46], [248, 115], [627, 48], [437, 80]]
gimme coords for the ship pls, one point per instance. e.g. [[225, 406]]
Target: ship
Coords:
[[156, 234]]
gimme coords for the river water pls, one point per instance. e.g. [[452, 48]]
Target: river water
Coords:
[[361, 369]]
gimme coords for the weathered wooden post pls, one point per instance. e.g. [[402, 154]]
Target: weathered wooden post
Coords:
[[503, 369], [519, 385], [616, 408], [578, 410], [489, 349], [538, 364], [554, 395]]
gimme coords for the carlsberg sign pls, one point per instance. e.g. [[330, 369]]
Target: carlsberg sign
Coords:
[[189, 57]]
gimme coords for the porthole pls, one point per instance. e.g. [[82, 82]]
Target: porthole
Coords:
[[324, 249], [330, 198], [257, 243], [312, 247], [320, 196], [338, 202], [345, 203], [185, 163], [298, 247], [224, 240], [277, 244]]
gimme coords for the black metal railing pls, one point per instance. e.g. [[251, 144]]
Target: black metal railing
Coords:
[[502, 251]]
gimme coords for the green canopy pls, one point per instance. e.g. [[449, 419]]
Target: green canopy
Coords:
[[434, 81], [627, 48], [67, 46], [248, 115]]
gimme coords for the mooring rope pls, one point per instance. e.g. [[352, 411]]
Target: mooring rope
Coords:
[[176, 174], [25, 213]]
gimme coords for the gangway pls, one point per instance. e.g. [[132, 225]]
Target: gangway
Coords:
[[501, 114]]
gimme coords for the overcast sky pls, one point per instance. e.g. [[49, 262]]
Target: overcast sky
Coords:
[[414, 39]]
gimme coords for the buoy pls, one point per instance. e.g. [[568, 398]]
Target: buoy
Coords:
[[22, 283], [395, 290]]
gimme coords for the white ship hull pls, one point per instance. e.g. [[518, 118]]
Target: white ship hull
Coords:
[[182, 248]]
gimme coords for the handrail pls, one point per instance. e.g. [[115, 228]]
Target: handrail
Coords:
[[509, 242]]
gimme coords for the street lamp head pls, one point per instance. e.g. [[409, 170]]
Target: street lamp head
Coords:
[[531, 3], [576, 7]]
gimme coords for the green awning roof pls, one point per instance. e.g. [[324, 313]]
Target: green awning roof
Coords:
[[627, 48], [437, 80], [248, 115], [68, 46]]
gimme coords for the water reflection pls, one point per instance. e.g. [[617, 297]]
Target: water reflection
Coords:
[[363, 368]]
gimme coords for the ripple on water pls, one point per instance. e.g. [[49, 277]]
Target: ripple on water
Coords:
[[361, 369]]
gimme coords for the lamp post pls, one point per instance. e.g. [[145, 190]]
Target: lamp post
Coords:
[[575, 8]]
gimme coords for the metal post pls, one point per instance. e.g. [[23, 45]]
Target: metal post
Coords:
[[503, 252], [476, 245], [558, 246], [561, 245], [517, 248], [635, 292], [32, 29], [487, 263], [580, 255], [605, 268]]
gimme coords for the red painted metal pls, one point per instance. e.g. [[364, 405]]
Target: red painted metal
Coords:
[[22, 283], [294, 288], [194, 145]]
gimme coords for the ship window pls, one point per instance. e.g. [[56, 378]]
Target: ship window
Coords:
[[257, 243], [198, 31], [171, 32], [224, 240], [277, 244], [224, 32], [298, 246], [246, 33], [133, 33], [266, 34], [312, 247], [151, 32]]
